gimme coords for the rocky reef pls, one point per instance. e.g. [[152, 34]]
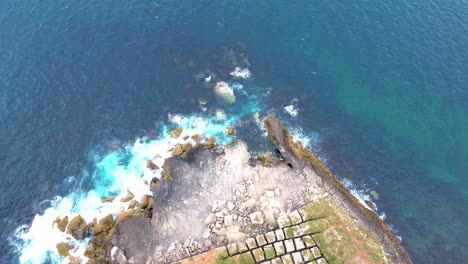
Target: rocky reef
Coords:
[[211, 207]]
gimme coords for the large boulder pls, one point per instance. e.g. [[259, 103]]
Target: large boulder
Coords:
[[104, 225], [78, 227], [224, 93]]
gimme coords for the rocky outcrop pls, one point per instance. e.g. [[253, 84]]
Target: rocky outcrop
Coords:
[[298, 157], [78, 227]]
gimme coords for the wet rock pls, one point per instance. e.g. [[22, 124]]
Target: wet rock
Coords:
[[63, 249], [375, 195], [78, 228], [371, 205], [144, 201], [108, 199], [230, 131], [126, 214], [211, 144], [62, 223], [104, 225], [127, 198], [182, 150], [176, 132], [132, 204], [150, 165], [224, 93]]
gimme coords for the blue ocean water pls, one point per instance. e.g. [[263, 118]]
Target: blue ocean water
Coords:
[[382, 85]]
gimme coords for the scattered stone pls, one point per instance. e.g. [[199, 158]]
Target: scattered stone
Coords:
[[228, 221], [295, 217], [289, 244], [299, 243], [221, 204], [63, 249], [283, 221], [279, 234], [297, 258], [127, 198], [232, 249], [270, 237], [270, 194], [242, 247], [258, 254], [287, 259], [78, 228], [307, 255], [230, 131], [145, 201], [210, 219], [256, 218], [277, 192], [251, 244], [62, 223], [260, 240], [176, 132], [230, 206], [224, 93], [279, 248]]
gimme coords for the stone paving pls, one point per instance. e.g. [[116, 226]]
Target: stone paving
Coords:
[[292, 243]]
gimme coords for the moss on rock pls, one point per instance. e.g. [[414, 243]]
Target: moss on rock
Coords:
[[62, 223], [63, 249], [104, 225]]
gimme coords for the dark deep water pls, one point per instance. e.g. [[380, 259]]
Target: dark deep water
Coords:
[[384, 86]]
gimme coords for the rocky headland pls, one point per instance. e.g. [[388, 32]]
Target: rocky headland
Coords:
[[211, 207]]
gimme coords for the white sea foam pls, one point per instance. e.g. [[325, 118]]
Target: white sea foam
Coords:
[[243, 73], [292, 108]]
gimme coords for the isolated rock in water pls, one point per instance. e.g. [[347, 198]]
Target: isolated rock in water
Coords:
[[374, 195], [63, 249], [176, 132], [150, 165], [243, 73], [230, 131], [220, 115], [62, 223], [78, 227], [224, 93]]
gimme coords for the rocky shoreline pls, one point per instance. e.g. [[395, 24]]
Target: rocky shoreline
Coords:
[[221, 205]]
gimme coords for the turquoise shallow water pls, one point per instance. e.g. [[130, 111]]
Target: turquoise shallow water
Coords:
[[383, 85]]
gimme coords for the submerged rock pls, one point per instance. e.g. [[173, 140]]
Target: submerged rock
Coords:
[[78, 228], [224, 93], [374, 195], [220, 115]]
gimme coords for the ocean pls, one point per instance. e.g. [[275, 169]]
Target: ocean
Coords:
[[89, 89]]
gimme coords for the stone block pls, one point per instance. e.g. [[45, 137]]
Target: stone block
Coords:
[[299, 243], [289, 245], [315, 252], [279, 248], [287, 259], [293, 231], [276, 261], [261, 240], [233, 249], [242, 247], [321, 261], [258, 254], [307, 255], [297, 258], [295, 217], [309, 241], [279, 234], [283, 221], [270, 252], [270, 237], [256, 218], [251, 244]]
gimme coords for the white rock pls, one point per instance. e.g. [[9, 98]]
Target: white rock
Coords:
[[210, 219], [206, 233], [277, 192], [230, 206], [171, 248], [270, 194], [228, 220]]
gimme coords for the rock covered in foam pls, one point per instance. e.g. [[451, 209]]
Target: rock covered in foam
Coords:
[[224, 93], [78, 227]]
